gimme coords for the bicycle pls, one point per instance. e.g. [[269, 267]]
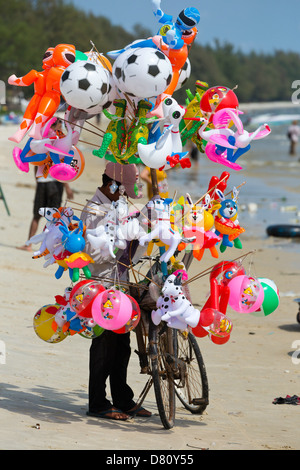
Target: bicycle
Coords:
[[172, 359]]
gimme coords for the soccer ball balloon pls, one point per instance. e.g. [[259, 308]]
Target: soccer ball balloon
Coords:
[[143, 72], [85, 85], [111, 95]]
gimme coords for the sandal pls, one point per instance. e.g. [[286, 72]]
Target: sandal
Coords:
[[111, 413], [140, 412]]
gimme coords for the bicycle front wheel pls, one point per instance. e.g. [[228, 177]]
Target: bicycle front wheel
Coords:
[[161, 348], [191, 387]]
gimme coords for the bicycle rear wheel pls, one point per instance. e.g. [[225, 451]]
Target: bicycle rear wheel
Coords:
[[191, 385], [161, 341]]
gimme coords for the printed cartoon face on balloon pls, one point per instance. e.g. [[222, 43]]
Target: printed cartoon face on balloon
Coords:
[[246, 294], [82, 295], [217, 98], [225, 271], [111, 309], [220, 326]]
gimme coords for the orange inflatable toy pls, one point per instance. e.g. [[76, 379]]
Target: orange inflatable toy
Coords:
[[47, 89], [178, 58], [39, 81]]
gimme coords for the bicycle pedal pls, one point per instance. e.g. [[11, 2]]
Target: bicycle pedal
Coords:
[[200, 401]]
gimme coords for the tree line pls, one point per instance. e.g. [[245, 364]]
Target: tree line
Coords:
[[29, 27]]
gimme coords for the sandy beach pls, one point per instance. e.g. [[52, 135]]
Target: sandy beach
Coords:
[[43, 391]]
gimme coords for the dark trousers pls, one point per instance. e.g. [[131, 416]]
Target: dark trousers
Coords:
[[109, 358]]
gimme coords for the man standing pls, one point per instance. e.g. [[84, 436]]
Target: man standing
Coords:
[[293, 135], [110, 352]]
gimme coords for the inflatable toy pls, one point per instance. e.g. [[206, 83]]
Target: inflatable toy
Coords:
[[173, 307], [42, 324], [225, 271], [166, 152], [63, 55], [72, 257], [216, 98], [246, 294], [226, 223], [54, 154], [134, 319], [271, 298], [162, 229], [51, 236], [38, 79], [224, 145], [82, 296], [111, 309], [142, 72], [201, 221], [85, 85], [122, 142]]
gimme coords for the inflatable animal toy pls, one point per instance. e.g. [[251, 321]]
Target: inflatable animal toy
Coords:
[[226, 223], [200, 223], [224, 145], [162, 229], [173, 307], [71, 256], [166, 151]]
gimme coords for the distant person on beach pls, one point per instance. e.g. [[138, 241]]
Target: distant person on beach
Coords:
[[48, 193], [293, 135], [161, 181], [110, 352], [193, 152]]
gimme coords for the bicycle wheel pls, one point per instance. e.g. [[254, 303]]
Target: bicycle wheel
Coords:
[[161, 341], [191, 385]]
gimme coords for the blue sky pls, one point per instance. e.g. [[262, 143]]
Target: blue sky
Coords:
[[259, 25]]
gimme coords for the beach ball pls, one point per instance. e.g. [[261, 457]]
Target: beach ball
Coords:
[[42, 324], [82, 295], [271, 298], [216, 98], [111, 309], [225, 271], [134, 319], [246, 294]]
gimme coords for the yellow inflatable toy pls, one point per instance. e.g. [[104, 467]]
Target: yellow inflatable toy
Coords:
[[42, 324]]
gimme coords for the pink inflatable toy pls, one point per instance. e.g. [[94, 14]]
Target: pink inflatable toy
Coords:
[[111, 309], [246, 294]]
